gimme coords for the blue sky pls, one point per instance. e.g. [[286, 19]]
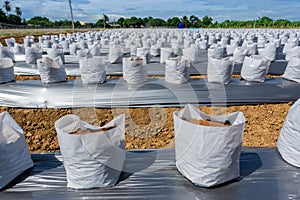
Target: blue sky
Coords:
[[219, 10]]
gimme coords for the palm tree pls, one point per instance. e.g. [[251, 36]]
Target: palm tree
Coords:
[[7, 7], [185, 21], [207, 20], [18, 11], [193, 19]]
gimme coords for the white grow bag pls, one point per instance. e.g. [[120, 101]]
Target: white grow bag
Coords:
[[134, 70], [220, 70], [6, 70], [51, 70], [177, 70], [14, 155], [93, 70], [289, 139], [208, 155], [95, 159]]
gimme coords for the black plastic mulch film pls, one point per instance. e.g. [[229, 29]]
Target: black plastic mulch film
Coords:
[[152, 174]]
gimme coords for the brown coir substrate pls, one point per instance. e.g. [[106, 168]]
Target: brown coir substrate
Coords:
[[147, 127]]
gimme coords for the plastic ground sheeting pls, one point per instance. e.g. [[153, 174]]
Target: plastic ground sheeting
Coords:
[[155, 92], [21, 68], [152, 174]]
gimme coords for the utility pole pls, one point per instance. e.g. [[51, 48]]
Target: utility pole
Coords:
[[70, 4], [104, 20]]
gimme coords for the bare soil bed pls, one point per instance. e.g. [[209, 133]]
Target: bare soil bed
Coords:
[[146, 127]]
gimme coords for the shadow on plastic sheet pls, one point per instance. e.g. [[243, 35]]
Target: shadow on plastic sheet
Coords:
[[18, 179], [13, 81], [135, 162], [249, 163], [42, 162], [124, 175]]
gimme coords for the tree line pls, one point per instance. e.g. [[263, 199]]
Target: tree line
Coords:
[[192, 21], [188, 22]]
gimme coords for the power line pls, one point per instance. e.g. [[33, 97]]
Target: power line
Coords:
[[78, 8]]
